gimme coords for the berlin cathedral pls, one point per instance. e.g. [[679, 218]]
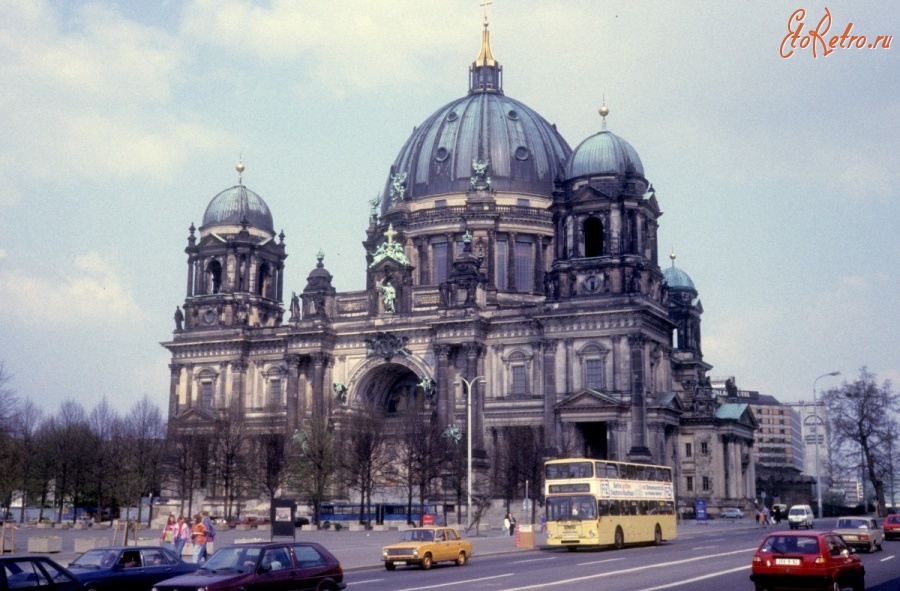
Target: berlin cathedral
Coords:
[[498, 258]]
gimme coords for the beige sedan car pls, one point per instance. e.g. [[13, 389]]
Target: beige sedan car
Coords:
[[425, 546], [860, 532]]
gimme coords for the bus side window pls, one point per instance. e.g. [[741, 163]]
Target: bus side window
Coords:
[[614, 508], [643, 508], [612, 471], [604, 508]]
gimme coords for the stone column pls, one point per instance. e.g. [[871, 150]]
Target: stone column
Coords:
[[292, 393], [548, 350], [445, 396], [511, 264], [318, 384], [538, 286], [190, 277], [189, 383], [238, 381], [730, 488], [174, 376]]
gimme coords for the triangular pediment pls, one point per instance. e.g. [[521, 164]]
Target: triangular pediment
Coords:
[[590, 400], [589, 193], [737, 412], [195, 416], [668, 401]]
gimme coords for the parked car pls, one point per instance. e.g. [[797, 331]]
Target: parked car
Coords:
[[891, 526], [300, 521], [800, 516], [264, 567], [732, 514], [816, 560], [426, 545], [136, 568], [18, 572], [860, 532]]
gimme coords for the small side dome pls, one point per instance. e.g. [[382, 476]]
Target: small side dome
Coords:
[[604, 153], [675, 278], [232, 206]]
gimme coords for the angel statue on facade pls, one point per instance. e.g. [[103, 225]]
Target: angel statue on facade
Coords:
[[340, 391]]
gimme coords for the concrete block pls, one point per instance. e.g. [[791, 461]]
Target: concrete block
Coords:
[[265, 527], [82, 545], [45, 544], [242, 527]]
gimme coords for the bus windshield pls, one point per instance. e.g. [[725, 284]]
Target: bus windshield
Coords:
[[571, 508]]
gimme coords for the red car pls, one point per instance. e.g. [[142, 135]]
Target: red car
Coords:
[[264, 567], [808, 560], [891, 527]]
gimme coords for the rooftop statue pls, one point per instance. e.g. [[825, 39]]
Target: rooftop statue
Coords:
[[398, 186], [480, 179], [389, 248]]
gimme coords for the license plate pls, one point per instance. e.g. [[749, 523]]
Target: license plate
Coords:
[[850, 537], [787, 561], [400, 562]]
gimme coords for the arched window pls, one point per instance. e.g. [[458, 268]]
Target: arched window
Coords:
[[593, 237], [214, 277], [262, 281]]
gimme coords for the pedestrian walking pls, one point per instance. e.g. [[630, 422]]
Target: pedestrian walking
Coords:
[[767, 516], [198, 538], [182, 535], [167, 535], [210, 534], [512, 525], [543, 524], [506, 525]]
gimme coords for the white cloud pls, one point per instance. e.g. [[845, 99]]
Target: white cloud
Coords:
[[92, 97], [91, 292]]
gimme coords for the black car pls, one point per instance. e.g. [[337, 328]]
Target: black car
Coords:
[[135, 568], [20, 572], [264, 566]]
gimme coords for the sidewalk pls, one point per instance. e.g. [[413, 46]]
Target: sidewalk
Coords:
[[355, 550]]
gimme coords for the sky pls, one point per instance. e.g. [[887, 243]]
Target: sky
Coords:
[[119, 121]]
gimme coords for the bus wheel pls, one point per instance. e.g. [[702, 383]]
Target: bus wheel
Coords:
[[620, 539], [657, 536]]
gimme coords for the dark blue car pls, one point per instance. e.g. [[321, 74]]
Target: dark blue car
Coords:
[[135, 568], [18, 572]]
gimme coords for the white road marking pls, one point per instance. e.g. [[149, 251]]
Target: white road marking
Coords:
[[628, 570], [533, 560], [702, 547], [599, 561], [368, 581], [695, 579], [456, 583], [886, 558]]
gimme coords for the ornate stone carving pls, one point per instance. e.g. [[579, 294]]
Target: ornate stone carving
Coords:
[[428, 388], [398, 186], [480, 179], [340, 391], [389, 249], [387, 346]]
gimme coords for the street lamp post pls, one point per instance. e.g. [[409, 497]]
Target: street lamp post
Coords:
[[468, 384], [816, 424]]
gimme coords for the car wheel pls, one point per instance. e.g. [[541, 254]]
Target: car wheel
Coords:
[[426, 562], [860, 584], [880, 546], [620, 539], [390, 566], [461, 559], [834, 586], [657, 536]]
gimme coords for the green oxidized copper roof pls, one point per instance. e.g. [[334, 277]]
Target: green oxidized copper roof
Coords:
[[731, 411]]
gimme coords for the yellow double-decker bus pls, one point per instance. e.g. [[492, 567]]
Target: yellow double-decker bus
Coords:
[[602, 503]]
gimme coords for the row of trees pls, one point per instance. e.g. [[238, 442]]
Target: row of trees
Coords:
[[862, 421], [78, 459], [105, 460]]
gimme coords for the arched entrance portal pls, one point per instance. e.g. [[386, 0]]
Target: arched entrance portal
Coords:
[[393, 388], [594, 438]]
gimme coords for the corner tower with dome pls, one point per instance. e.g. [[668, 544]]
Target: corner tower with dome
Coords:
[[495, 251]]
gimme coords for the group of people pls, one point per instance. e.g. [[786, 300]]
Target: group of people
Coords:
[[766, 517], [177, 532], [509, 525]]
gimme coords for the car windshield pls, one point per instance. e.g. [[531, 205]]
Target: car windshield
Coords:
[[242, 558], [96, 558], [852, 524], [415, 535], [791, 545], [797, 512]]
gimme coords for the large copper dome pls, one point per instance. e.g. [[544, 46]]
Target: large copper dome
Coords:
[[525, 152]]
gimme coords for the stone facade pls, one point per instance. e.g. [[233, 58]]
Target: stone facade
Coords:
[[530, 265]]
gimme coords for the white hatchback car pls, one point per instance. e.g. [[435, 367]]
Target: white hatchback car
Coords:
[[800, 516]]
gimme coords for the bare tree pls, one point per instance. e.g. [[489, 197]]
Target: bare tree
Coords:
[[9, 402], [268, 462], [145, 436], [184, 453], [313, 458], [25, 430], [519, 461], [70, 445], [229, 458], [863, 417], [364, 454], [103, 470]]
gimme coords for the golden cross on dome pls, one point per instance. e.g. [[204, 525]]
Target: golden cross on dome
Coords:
[[391, 232], [485, 4]]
